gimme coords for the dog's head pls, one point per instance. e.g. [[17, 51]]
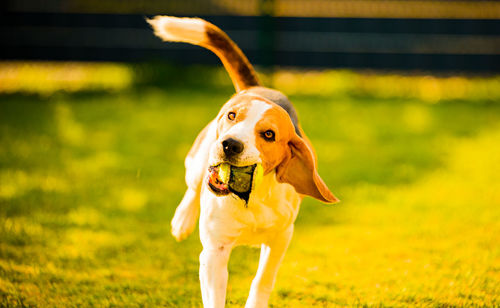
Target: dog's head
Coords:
[[252, 130]]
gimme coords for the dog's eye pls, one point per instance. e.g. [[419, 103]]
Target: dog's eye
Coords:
[[231, 116], [268, 135]]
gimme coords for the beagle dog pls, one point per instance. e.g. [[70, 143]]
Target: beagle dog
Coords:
[[257, 129]]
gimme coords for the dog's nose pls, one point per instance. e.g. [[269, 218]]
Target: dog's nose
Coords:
[[232, 147]]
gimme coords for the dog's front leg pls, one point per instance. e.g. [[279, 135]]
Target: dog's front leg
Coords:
[[214, 275], [186, 215], [271, 255]]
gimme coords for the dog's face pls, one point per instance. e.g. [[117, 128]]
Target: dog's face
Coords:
[[251, 131]]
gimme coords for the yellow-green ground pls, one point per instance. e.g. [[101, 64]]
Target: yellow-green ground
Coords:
[[89, 182]]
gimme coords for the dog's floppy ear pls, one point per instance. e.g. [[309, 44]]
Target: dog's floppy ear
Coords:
[[196, 162], [299, 169]]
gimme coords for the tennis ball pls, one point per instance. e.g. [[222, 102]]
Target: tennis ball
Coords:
[[224, 172], [241, 178], [258, 174]]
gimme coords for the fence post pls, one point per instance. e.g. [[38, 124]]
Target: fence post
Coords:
[[266, 38]]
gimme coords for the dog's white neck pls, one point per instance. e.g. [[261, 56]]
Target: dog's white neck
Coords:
[[272, 207]]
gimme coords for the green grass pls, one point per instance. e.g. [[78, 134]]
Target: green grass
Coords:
[[89, 183]]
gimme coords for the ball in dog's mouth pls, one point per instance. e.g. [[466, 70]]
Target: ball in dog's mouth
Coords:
[[241, 181]]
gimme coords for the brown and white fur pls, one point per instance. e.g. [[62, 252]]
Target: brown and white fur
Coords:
[[289, 162]]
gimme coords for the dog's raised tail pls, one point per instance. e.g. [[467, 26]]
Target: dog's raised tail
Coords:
[[200, 32]]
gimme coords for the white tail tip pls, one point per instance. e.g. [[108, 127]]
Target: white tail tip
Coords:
[[175, 29]]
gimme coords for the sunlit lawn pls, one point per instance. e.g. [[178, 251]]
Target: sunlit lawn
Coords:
[[89, 183]]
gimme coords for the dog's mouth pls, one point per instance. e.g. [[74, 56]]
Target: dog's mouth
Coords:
[[224, 179]]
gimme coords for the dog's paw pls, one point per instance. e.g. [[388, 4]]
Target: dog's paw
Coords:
[[183, 224]]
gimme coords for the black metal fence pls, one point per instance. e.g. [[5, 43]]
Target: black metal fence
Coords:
[[65, 32]]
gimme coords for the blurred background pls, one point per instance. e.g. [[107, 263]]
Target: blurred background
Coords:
[[400, 99]]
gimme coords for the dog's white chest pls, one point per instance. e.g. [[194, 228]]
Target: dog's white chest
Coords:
[[272, 208]]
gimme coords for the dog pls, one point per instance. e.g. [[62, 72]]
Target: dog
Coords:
[[256, 129]]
